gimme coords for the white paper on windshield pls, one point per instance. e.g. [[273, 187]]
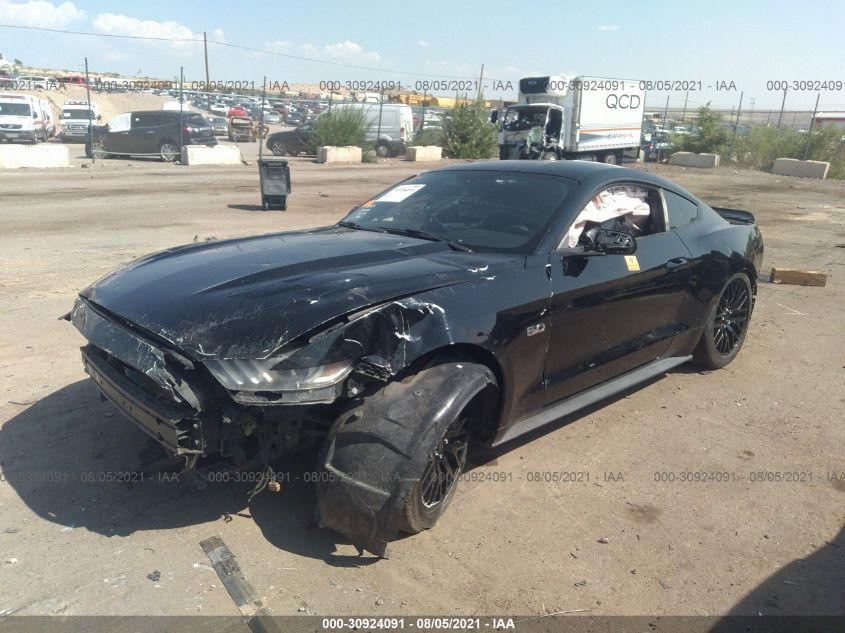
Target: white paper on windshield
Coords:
[[398, 194]]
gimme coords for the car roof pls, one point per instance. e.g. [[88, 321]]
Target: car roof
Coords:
[[589, 173]]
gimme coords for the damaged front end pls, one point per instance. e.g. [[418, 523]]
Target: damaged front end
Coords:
[[244, 413], [177, 402]]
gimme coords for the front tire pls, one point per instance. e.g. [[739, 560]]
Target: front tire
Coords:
[[549, 156], [727, 324], [278, 148], [432, 494]]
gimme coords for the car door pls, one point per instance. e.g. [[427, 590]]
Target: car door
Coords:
[[612, 313], [116, 139], [303, 134], [145, 133]]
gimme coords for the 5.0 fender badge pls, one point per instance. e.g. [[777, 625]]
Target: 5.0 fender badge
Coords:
[[632, 263]]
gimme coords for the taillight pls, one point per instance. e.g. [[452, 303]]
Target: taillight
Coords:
[[402, 133]]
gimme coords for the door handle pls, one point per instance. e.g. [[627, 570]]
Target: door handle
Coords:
[[677, 262]]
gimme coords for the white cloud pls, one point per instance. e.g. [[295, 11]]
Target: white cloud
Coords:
[[116, 24], [345, 52], [422, 43], [40, 13], [608, 27]]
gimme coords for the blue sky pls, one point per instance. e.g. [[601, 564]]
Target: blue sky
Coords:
[[748, 43]]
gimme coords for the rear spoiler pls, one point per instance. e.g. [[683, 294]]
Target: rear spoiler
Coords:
[[735, 216]]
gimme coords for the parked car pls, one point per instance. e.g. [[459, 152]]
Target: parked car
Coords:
[[220, 108], [34, 82], [219, 125], [654, 145], [449, 307], [272, 117], [149, 133], [291, 142], [294, 118]]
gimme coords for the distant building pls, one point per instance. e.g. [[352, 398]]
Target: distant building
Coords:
[[5, 63], [824, 119]]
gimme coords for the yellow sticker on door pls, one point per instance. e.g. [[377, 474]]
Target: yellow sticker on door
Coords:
[[632, 263]]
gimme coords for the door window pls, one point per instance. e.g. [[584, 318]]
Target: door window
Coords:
[[120, 123], [630, 208]]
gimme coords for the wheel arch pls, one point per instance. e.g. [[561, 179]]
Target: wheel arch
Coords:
[[489, 400]]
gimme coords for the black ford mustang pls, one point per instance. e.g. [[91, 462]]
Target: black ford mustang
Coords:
[[449, 307]]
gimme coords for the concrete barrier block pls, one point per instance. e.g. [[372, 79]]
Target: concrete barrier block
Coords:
[[801, 168], [46, 155], [424, 153], [688, 159], [331, 154], [217, 155]]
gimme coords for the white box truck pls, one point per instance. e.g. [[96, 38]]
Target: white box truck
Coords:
[[76, 119], [559, 118]]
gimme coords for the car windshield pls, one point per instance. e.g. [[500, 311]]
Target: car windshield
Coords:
[[493, 211], [14, 109]]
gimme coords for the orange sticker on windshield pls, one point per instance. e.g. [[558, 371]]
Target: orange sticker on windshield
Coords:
[[368, 203]]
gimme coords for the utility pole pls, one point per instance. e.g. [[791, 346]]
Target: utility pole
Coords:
[[90, 135], [207, 82], [261, 118], [684, 113], [660, 142], [782, 104], [812, 123], [736, 125], [480, 83]]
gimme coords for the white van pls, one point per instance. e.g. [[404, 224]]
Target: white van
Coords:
[[76, 118], [23, 119], [396, 129]]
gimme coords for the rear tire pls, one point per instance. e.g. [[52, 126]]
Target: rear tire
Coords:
[[610, 159], [549, 156], [726, 325], [382, 150], [168, 151]]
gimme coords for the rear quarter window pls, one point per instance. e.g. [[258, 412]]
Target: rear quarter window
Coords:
[[680, 210]]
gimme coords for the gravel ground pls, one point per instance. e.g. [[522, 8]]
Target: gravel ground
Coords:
[[621, 543]]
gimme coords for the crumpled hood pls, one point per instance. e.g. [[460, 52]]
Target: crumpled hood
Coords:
[[246, 298]]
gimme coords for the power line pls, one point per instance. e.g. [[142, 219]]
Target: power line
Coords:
[[238, 46]]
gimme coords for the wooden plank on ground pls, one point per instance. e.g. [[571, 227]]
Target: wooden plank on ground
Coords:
[[798, 277]]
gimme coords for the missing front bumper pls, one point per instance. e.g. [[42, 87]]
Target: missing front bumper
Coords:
[[176, 428]]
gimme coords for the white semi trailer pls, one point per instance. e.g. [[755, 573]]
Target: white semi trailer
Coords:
[[559, 118]]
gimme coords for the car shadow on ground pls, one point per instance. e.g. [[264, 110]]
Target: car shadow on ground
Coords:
[[75, 461], [810, 586]]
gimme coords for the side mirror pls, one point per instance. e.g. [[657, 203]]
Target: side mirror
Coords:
[[612, 242], [494, 116]]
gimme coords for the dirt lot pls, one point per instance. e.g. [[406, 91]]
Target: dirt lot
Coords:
[[512, 546]]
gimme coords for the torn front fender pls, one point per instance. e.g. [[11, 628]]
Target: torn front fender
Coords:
[[378, 448]]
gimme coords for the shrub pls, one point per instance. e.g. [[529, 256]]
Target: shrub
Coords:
[[467, 133], [429, 137], [340, 127], [709, 137]]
